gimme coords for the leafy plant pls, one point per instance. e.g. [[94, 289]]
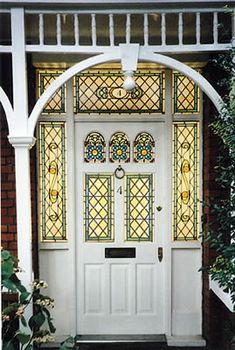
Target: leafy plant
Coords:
[[16, 330], [221, 232]]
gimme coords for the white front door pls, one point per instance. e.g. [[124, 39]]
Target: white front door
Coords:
[[119, 231]]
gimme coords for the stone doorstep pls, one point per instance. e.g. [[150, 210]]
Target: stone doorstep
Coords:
[[160, 341], [121, 338], [186, 341]]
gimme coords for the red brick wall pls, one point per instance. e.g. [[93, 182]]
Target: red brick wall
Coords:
[[8, 194]]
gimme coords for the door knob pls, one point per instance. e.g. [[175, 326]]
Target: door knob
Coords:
[[160, 253], [159, 208]]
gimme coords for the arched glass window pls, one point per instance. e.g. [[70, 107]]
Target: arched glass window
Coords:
[[94, 148], [144, 148], [119, 148]]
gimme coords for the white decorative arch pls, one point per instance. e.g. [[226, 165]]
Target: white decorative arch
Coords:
[[4, 100], [144, 55]]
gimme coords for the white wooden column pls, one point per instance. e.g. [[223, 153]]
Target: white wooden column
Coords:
[[22, 146], [22, 141]]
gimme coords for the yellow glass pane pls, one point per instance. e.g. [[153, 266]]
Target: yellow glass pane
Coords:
[[185, 180], [139, 203], [98, 201]]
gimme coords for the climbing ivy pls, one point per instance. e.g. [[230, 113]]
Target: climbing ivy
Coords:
[[221, 232]]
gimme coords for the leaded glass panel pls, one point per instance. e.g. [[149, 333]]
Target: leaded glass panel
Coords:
[[185, 181], [52, 181], [99, 208], [94, 148], [186, 94], [144, 148], [119, 148], [139, 207], [102, 91], [57, 103]]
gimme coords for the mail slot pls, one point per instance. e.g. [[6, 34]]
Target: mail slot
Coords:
[[116, 253]]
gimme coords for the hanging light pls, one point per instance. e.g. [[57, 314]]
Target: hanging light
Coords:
[[129, 82]]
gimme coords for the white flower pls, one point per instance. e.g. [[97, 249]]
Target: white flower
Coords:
[[39, 284], [20, 311], [5, 317], [45, 302], [44, 339]]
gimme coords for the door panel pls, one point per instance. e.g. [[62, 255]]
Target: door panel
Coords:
[[119, 295]]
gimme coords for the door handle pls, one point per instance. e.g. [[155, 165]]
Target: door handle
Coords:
[[160, 253], [159, 208]]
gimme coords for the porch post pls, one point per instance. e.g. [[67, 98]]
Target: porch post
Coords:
[[22, 146], [22, 141]]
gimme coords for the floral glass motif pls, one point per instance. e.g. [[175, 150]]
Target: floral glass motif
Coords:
[[144, 148], [186, 94], [119, 148], [139, 207], [185, 181], [52, 182], [57, 102], [94, 148], [99, 215]]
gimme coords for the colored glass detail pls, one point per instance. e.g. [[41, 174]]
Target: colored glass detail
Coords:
[[57, 103], [52, 182], [186, 95], [94, 148], [119, 148], [102, 91], [144, 148], [99, 216], [139, 205], [185, 181]]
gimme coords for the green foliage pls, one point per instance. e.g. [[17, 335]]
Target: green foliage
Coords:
[[221, 232], [13, 320]]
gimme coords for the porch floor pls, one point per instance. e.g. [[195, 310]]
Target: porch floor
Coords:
[[124, 342]]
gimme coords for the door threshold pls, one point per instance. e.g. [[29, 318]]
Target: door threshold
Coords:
[[121, 338]]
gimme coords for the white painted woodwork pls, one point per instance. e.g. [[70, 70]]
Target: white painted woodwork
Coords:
[[163, 29], [146, 30], [76, 29], [186, 291], [180, 28], [23, 211], [94, 48], [125, 295], [19, 71], [198, 28], [111, 30], [58, 29], [144, 55]]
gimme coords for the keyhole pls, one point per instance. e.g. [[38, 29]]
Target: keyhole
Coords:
[[119, 190]]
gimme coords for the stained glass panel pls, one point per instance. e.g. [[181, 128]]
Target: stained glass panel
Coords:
[[57, 103], [102, 91], [99, 216], [185, 181], [94, 148], [144, 148], [52, 181], [119, 148], [139, 205], [186, 94]]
